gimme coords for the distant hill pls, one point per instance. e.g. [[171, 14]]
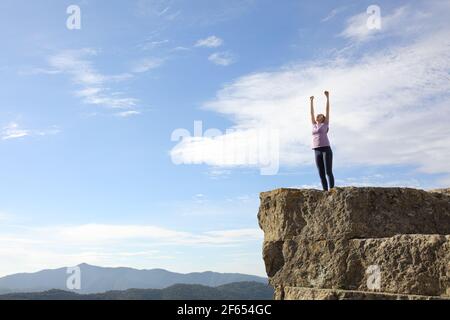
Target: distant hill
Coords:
[[232, 291], [98, 279]]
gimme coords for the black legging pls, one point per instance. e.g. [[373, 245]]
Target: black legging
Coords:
[[324, 162]]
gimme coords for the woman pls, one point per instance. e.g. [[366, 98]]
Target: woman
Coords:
[[321, 144]]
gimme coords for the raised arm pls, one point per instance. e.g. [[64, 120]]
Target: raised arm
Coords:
[[327, 94], [313, 119]]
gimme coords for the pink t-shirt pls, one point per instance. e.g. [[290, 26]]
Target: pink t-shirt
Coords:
[[320, 137]]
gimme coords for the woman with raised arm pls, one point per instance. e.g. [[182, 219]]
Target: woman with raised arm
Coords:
[[321, 144]]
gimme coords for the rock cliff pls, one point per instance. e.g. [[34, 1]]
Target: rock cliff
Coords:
[[357, 243]]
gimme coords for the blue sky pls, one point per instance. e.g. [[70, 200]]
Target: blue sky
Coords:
[[89, 172]]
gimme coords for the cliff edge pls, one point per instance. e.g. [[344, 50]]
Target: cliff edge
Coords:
[[357, 243]]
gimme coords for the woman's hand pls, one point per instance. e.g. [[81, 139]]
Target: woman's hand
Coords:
[[312, 98], [327, 94]]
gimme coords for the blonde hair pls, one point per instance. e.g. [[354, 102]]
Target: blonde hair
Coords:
[[321, 115]]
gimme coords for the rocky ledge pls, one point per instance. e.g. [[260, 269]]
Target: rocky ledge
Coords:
[[357, 243]]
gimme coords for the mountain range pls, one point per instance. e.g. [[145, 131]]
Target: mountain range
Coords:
[[231, 291], [94, 279]]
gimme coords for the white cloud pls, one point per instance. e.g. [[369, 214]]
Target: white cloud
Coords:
[[172, 11], [151, 44], [158, 43], [111, 100], [378, 180], [157, 8], [389, 107], [147, 64], [222, 58], [401, 22], [25, 249], [36, 71], [47, 132], [333, 13], [95, 235], [180, 48], [126, 114], [89, 92], [210, 42], [253, 234], [14, 131], [74, 63], [217, 173], [94, 90]]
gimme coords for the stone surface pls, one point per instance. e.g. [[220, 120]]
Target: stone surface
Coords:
[[352, 213], [409, 264], [298, 293], [329, 241]]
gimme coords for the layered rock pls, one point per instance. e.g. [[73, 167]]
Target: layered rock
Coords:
[[325, 245]]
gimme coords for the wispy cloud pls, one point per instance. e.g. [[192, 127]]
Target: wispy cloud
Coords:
[[222, 58], [218, 173], [384, 106], [14, 131], [180, 48], [126, 114], [147, 64], [172, 11], [101, 97], [401, 21], [29, 71], [378, 180], [210, 42], [333, 13], [33, 248], [163, 9], [151, 44], [96, 234], [212, 210], [93, 85]]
